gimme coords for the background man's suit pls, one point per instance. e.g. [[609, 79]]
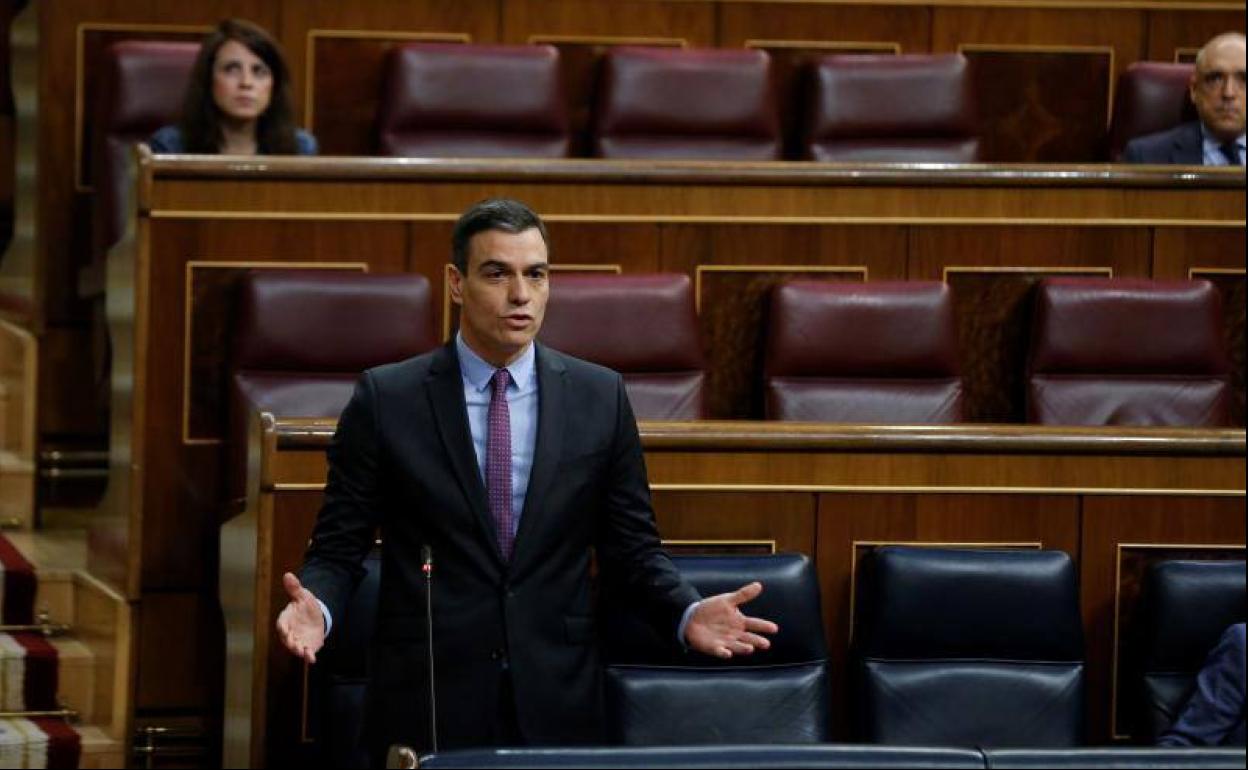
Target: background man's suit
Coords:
[[1182, 144], [402, 459]]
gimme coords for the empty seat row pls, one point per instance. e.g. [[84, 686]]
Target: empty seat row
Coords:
[[962, 648], [444, 100], [883, 353]]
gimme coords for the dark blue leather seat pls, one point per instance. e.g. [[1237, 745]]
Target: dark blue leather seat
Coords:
[[1186, 605], [968, 648], [660, 694]]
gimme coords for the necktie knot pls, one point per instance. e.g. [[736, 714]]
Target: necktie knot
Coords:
[[1230, 151], [500, 381]]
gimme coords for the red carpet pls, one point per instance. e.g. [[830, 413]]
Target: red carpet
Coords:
[[17, 579]]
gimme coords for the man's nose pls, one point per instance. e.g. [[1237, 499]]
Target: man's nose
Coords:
[[519, 293]]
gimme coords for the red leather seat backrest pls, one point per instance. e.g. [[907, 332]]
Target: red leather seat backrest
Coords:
[[881, 352], [910, 108], [643, 326], [302, 337], [482, 101], [142, 86], [695, 104], [1150, 97], [1128, 352]]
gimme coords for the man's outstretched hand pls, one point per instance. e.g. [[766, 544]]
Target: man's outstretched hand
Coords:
[[719, 628], [301, 626]]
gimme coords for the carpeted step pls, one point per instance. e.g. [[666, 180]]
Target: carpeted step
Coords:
[[17, 585], [29, 668], [39, 742]]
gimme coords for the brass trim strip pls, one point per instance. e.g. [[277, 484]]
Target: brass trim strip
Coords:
[[827, 45], [1034, 48], [854, 545], [203, 264], [554, 267], [1120, 5], [80, 90], [710, 219], [309, 52], [1119, 547], [756, 268], [1193, 272], [924, 489], [770, 543], [662, 42], [1108, 272]]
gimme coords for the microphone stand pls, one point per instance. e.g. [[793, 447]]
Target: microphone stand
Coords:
[[426, 567]]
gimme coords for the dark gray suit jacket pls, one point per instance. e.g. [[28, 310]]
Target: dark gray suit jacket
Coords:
[[402, 460], [1182, 144]]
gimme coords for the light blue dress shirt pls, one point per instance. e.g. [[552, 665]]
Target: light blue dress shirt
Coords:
[[521, 408], [1212, 154], [522, 402]]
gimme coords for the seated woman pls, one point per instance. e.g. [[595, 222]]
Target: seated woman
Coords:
[[238, 100]]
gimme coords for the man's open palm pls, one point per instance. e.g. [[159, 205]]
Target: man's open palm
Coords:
[[719, 628], [301, 626]]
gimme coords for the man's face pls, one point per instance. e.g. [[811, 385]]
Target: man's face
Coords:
[[1217, 89], [502, 298]]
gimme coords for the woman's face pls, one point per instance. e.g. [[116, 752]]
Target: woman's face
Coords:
[[241, 82]]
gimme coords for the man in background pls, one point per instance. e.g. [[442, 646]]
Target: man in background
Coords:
[[1217, 91]]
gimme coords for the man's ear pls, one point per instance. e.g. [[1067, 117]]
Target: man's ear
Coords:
[[455, 282]]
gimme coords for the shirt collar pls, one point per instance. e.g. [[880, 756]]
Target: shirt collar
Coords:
[[1212, 143], [478, 372]]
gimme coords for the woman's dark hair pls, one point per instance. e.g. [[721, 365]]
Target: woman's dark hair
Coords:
[[201, 117]]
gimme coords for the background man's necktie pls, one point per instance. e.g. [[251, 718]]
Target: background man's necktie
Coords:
[[498, 462], [1230, 151]]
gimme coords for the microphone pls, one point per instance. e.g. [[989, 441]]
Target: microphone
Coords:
[[426, 567]]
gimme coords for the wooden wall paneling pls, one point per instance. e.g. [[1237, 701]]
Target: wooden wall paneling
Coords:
[[331, 45], [179, 653], [71, 411], [526, 20], [583, 32], [1121, 534], [1215, 254], [992, 271], [579, 60], [8, 126], [734, 267], [795, 33], [1045, 75], [344, 83], [1176, 35], [187, 408], [724, 521], [1042, 104], [849, 524]]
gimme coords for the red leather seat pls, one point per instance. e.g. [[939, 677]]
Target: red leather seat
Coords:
[[302, 338], [862, 353], [1150, 97], [477, 101], [693, 104], [643, 326], [911, 108], [1128, 352], [141, 89]]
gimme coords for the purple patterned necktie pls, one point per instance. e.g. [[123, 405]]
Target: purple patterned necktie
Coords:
[[498, 462]]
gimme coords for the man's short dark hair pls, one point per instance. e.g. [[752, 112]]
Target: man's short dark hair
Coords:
[[510, 216]]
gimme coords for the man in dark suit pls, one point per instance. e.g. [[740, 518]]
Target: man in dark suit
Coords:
[[1214, 715], [1217, 90], [511, 462]]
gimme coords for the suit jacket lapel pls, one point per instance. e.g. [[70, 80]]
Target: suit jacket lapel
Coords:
[[550, 425], [1189, 145], [446, 395]]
